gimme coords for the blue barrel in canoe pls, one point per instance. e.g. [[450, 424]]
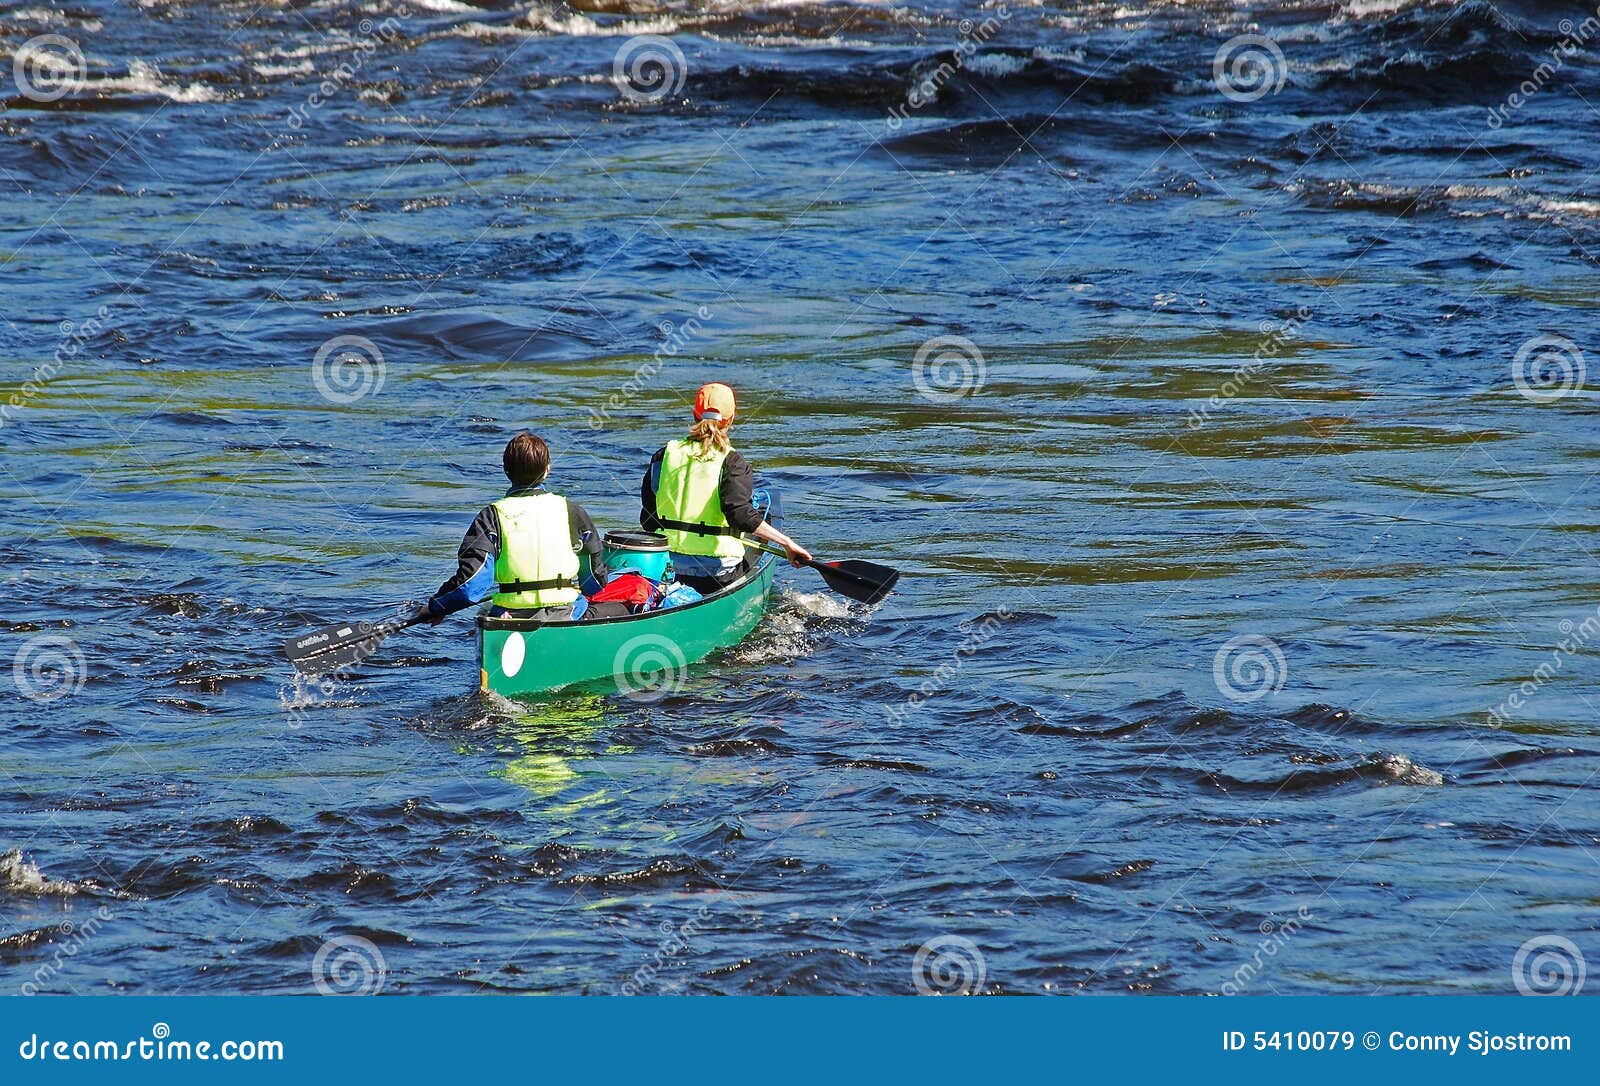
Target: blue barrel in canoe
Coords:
[[643, 552]]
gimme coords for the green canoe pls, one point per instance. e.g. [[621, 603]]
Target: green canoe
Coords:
[[646, 655]]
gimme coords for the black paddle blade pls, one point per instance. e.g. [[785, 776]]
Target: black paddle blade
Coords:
[[336, 647], [864, 582]]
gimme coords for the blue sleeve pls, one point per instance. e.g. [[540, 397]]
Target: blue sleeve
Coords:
[[588, 542], [475, 589], [473, 580]]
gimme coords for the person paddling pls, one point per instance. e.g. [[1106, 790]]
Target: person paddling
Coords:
[[698, 492], [524, 548]]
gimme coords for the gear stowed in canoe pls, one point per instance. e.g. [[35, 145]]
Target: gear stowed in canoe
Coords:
[[644, 652]]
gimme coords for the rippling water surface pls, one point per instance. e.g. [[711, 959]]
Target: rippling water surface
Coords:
[[1245, 496]]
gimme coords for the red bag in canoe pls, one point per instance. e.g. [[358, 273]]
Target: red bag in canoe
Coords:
[[635, 590]]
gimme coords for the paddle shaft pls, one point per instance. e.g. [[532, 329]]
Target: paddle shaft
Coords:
[[773, 548], [866, 583]]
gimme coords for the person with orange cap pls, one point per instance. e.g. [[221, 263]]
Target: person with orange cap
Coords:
[[699, 492]]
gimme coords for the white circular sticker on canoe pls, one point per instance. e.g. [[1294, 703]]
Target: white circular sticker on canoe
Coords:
[[512, 653]]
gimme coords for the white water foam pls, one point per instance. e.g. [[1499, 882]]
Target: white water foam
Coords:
[[1360, 9], [581, 26], [1510, 198], [821, 604], [146, 78], [997, 65], [790, 628], [1050, 52], [302, 67], [19, 876], [1404, 770]]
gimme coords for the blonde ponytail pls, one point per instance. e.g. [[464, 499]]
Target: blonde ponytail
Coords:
[[711, 434]]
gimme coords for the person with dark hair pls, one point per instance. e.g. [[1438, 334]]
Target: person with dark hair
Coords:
[[524, 549], [698, 492]]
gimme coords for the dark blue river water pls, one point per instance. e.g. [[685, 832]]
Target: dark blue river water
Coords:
[[1216, 374]]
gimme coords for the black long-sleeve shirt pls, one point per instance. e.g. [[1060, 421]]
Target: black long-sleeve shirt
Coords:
[[474, 581], [736, 491]]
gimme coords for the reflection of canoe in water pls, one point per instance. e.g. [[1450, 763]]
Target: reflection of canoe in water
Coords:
[[646, 653]]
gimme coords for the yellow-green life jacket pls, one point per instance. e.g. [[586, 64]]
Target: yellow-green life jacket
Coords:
[[689, 501], [537, 565]]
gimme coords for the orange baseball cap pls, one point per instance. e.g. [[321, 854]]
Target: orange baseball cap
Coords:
[[714, 401]]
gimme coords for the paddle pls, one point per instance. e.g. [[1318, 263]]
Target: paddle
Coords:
[[864, 582], [342, 645]]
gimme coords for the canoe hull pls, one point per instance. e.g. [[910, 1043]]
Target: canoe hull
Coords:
[[644, 656]]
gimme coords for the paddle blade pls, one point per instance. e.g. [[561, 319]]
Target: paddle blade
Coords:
[[336, 647], [864, 582]]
